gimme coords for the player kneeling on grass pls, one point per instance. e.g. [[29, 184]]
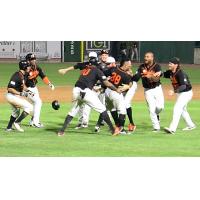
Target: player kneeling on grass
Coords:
[[83, 93], [15, 96], [183, 89]]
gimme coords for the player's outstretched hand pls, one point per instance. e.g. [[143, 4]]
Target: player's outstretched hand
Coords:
[[51, 86], [62, 71]]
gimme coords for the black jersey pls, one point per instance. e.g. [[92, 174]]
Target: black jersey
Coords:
[[17, 81], [147, 83], [103, 66], [31, 77], [89, 76], [178, 79], [118, 76]]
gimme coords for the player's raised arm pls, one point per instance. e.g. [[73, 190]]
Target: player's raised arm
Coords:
[[65, 70]]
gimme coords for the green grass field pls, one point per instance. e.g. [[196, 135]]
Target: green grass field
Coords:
[[44, 142]]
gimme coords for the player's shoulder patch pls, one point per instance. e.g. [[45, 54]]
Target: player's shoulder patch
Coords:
[[12, 82]]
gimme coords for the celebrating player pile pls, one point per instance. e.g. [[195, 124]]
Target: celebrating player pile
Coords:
[[105, 86]]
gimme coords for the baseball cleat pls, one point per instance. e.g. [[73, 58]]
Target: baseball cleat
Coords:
[[39, 125], [156, 130], [97, 129], [167, 130], [84, 125], [131, 127], [189, 128], [61, 133], [116, 131], [17, 126], [9, 129], [78, 126], [123, 131]]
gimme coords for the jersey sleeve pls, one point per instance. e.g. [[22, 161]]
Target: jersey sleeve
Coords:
[[181, 78], [15, 81], [127, 80], [100, 75], [80, 65], [167, 74], [158, 68], [108, 72], [41, 73], [137, 75]]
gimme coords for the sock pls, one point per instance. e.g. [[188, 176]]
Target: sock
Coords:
[[106, 118], [67, 121], [115, 117], [21, 117], [122, 120], [130, 116], [10, 123], [100, 120]]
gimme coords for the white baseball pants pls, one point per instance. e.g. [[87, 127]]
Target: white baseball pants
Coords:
[[180, 109], [90, 98], [155, 101], [18, 102], [130, 94], [116, 101], [37, 104]]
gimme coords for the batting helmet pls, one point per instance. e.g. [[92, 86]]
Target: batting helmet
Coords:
[[23, 64], [55, 105], [30, 56]]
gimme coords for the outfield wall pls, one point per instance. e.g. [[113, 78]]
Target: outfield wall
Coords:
[[44, 50]]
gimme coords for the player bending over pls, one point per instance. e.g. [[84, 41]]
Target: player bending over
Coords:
[[83, 93], [15, 96]]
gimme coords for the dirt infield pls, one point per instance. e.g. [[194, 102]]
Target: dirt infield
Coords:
[[64, 93]]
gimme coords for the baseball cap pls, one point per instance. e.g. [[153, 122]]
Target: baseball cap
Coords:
[[110, 60], [175, 60], [104, 52], [92, 54]]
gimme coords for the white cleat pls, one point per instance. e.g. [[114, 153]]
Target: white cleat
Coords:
[[17, 126], [167, 130], [189, 128], [97, 129], [84, 125], [39, 125]]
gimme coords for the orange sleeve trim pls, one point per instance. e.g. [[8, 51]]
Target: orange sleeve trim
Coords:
[[46, 80]]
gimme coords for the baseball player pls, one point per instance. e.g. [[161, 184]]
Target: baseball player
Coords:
[[115, 101], [83, 93], [31, 83], [84, 109], [100, 88], [15, 96], [152, 88], [183, 88]]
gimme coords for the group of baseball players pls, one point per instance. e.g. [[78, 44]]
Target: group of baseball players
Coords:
[[22, 93], [107, 87]]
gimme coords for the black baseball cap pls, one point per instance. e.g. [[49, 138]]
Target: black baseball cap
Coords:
[[104, 52], [175, 60]]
